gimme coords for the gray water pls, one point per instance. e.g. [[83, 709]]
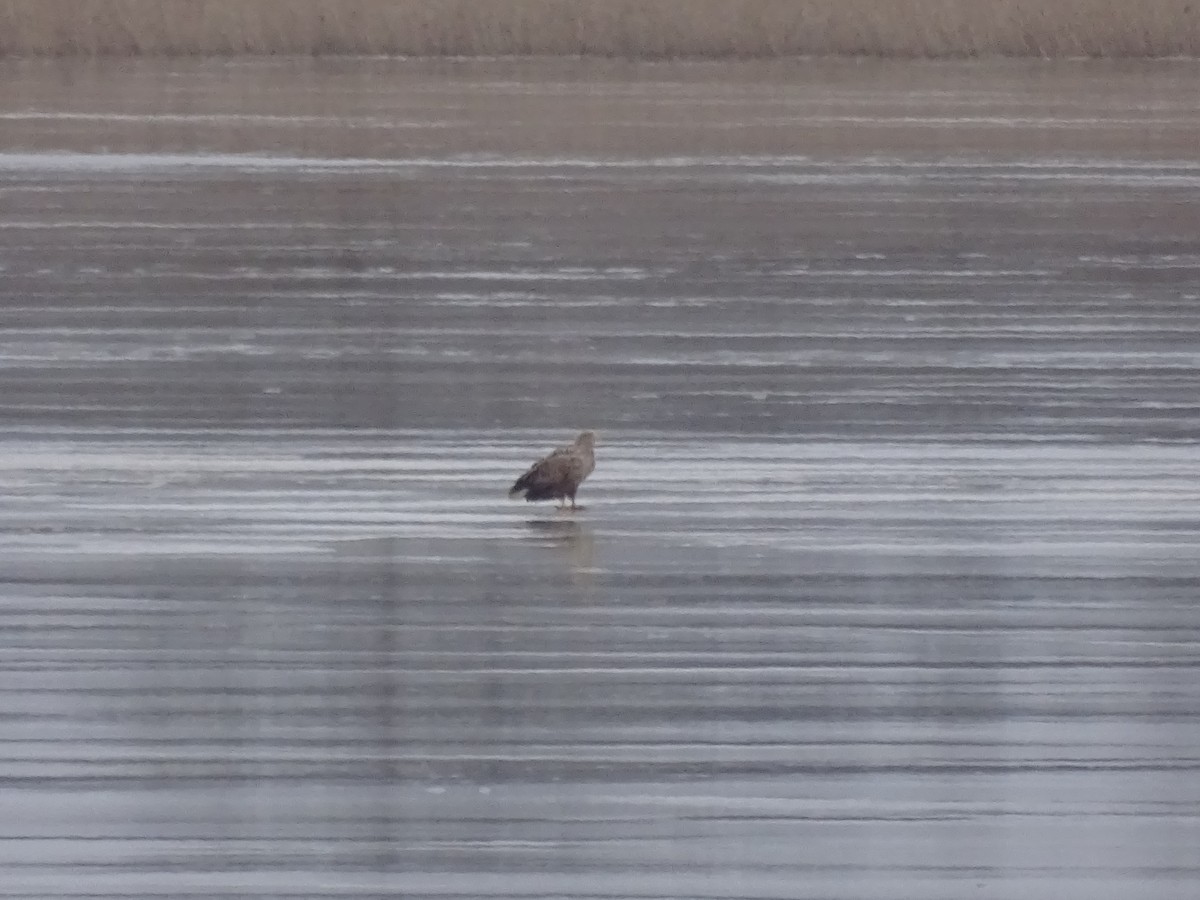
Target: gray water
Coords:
[[886, 585]]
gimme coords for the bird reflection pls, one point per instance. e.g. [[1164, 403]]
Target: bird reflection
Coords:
[[575, 541]]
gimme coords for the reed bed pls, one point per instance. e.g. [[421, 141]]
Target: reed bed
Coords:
[[649, 29]]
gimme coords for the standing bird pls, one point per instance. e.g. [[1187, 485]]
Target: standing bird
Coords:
[[559, 475]]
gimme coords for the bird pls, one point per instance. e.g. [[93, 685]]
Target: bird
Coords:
[[558, 475]]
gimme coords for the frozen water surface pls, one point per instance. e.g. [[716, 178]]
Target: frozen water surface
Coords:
[[887, 582]]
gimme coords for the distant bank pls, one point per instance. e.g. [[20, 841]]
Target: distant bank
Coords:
[[649, 29]]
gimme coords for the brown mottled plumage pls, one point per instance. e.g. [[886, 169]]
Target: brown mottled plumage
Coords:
[[558, 475]]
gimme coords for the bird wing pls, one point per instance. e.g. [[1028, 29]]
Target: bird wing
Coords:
[[560, 470]]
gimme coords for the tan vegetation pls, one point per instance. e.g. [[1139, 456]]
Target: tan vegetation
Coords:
[[626, 28]]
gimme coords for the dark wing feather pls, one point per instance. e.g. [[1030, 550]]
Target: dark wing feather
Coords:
[[553, 476]]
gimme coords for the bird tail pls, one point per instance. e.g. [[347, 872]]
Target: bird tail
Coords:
[[519, 487], [531, 488]]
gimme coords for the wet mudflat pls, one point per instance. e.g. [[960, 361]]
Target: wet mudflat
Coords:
[[887, 582]]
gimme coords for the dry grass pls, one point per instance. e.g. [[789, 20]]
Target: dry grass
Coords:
[[624, 28]]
